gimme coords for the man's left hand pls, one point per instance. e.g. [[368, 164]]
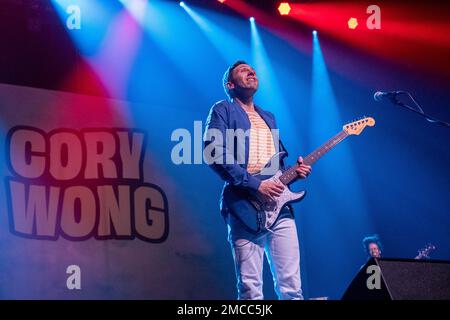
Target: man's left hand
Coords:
[[302, 170]]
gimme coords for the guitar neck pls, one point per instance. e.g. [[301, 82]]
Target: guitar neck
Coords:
[[323, 149], [424, 253], [290, 175]]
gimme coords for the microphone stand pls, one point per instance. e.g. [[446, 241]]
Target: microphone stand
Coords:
[[418, 110]]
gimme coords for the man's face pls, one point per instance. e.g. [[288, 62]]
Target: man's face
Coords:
[[374, 251], [243, 80]]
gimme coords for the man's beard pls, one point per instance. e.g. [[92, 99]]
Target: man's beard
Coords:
[[245, 92]]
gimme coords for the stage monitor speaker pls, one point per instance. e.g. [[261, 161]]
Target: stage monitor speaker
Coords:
[[401, 279]]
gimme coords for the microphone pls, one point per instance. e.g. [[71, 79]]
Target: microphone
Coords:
[[379, 95]]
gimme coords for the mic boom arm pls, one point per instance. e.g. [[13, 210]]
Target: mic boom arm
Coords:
[[393, 98]]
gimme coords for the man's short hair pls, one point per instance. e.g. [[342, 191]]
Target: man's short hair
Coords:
[[227, 77], [372, 239]]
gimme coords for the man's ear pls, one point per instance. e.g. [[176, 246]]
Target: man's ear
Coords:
[[230, 85]]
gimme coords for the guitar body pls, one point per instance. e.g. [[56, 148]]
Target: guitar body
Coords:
[[255, 211]]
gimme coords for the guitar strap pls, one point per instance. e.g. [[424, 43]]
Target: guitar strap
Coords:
[[289, 206], [283, 148]]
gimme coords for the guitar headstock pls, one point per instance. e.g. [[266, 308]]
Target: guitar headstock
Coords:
[[356, 127], [425, 251]]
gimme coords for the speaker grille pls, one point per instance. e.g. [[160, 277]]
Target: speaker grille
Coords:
[[403, 279], [416, 279]]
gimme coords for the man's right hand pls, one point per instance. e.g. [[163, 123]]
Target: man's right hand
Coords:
[[270, 189]]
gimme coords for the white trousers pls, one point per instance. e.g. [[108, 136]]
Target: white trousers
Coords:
[[282, 250]]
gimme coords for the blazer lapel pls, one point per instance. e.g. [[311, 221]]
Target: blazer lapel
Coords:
[[269, 121]]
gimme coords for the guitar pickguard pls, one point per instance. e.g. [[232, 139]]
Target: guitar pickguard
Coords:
[[272, 208]]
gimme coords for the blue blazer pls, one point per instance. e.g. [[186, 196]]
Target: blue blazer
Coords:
[[230, 115]]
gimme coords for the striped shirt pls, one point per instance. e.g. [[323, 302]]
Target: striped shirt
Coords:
[[261, 147]]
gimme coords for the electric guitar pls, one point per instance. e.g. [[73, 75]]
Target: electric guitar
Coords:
[[424, 253], [257, 212]]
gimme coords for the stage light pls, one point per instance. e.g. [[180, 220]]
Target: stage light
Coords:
[[221, 1], [352, 23], [182, 3], [252, 19], [284, 8], [314, 33]]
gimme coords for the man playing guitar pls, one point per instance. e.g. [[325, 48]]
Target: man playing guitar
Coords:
[[280, 243]]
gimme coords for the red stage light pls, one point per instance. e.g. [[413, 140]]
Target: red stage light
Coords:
[[221, 1], [284, 8]]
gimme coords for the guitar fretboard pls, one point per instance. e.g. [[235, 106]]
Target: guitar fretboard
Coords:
[[290, 175]]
